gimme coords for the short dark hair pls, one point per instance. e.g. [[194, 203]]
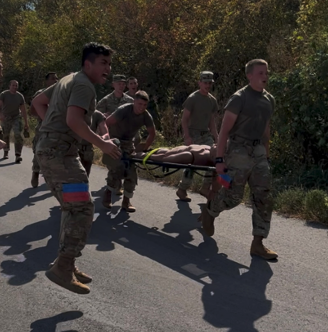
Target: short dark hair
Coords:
[[92, 50], [50, 73], [141, 95], [255, 62]]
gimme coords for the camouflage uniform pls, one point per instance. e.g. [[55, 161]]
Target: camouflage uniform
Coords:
[[14, 123], [13, 119], [110, 103], [117, 171], [57, 153], [128, 124], [35, 164], [201, 110], [86, 152], [246, 158]]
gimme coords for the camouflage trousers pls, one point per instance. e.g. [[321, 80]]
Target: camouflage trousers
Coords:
[[86, 154], [16, 124], [201, 138], [118, 172], [66, 177], [35, 163], [247, 164]]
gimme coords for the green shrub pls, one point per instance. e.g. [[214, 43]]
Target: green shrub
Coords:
[[316, 205], [290, 202]]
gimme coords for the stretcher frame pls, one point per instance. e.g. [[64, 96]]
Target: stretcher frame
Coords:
[[166, 167]]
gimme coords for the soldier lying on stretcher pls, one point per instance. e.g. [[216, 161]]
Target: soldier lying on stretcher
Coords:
[[194, 154], [198, 155]]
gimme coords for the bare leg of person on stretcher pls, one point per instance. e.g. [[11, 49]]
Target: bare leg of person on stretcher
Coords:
[[198, 155]]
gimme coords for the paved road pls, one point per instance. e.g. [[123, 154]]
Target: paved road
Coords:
[[153, 270]]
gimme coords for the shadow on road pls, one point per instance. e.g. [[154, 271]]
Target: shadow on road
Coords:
[[237, 303], [182, 222], [316, 225], [50, 324], [25, 198], [7, 164], [233, 294], [25, 263]]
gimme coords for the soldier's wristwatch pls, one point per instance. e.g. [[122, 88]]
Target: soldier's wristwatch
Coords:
[[219, 160]]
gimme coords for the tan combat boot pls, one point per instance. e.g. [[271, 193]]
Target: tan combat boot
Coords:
[[107, 199], [182, 194], [62, 274], [127, 206], [207, 222], [258, 249], [35, 179], [80, 276]]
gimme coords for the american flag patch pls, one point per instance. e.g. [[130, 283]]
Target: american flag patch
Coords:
[[76, 192]]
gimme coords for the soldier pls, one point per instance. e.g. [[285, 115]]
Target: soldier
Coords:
[[123, 124], [246, 124], [13, 107], [111, 102], [66, 109], [86, 153], [198, 123], [132, 85], [51, 78]]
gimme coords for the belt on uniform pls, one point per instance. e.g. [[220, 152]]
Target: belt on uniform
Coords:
[[254, 142], [61, 136]]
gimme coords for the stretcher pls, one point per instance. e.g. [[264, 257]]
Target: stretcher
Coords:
[[171, 168]]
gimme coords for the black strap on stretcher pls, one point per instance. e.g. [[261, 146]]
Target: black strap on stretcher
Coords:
[[165, 167]]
